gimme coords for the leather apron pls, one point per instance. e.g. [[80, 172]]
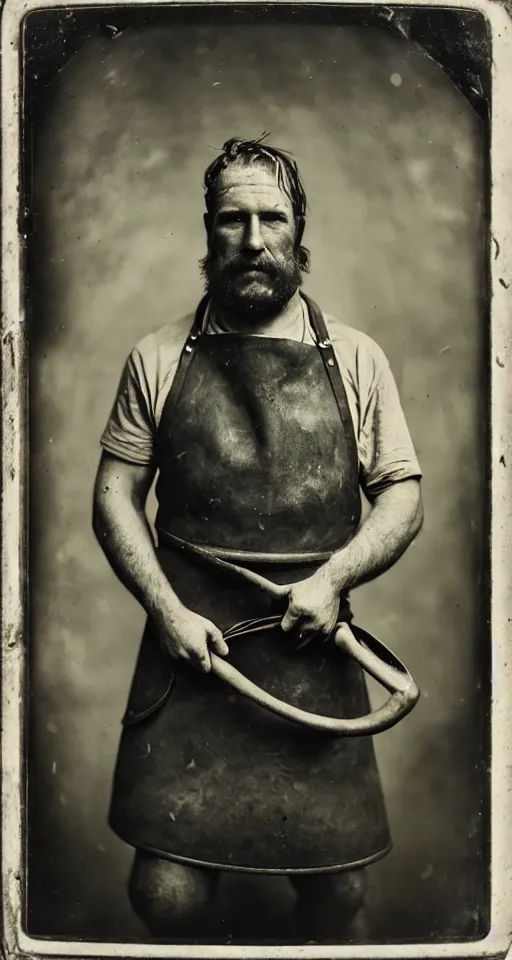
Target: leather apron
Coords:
[[258, 465]]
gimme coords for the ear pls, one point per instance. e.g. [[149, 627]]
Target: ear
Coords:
[[301, 223], [208, 226]]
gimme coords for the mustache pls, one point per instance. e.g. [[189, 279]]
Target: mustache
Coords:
[[241, 263]]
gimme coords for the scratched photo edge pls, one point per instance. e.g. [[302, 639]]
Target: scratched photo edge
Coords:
[[15, 942]]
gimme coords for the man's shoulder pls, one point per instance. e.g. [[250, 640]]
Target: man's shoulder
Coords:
[[166, 341], [353, 344]]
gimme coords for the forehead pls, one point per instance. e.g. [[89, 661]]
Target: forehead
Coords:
[[251, 188]]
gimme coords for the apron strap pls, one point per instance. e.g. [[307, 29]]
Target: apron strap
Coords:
[[322, 341], [328, 356], [188, 352]]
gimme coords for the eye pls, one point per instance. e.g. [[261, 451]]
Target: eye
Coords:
[[231, 217], [274, 216]]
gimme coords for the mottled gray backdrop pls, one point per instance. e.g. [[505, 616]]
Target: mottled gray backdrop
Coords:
[[392, 158]]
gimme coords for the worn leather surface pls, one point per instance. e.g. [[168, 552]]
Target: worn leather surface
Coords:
[[206, 775], [253, 454]]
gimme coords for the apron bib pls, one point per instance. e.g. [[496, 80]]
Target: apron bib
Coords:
[[258, 464]]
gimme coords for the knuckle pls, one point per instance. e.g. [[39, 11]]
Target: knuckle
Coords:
[[199, 651], [300, 609], [291, 615]]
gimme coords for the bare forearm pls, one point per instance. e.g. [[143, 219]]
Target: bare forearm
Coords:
[[124, 534], [127, 542], [391, 526]]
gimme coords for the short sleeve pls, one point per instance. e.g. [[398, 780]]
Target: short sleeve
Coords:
[[130, 430], [386, 450]]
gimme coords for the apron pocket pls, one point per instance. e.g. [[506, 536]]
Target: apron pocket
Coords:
[[152, 680]]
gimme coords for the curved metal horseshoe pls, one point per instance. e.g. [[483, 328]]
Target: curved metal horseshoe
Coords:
[[375, 658]]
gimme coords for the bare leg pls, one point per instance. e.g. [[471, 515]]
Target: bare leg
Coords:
[[171, 899], [330, 907]]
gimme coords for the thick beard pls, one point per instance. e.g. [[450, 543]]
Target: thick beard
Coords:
[[250, 306]]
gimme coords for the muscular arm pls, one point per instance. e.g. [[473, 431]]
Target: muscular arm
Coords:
[[123, 532], [394, 520]]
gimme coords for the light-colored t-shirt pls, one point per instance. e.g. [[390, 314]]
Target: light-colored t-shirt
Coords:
[[385, 449]]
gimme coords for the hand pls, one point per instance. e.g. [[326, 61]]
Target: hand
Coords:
[[313, 606], [186, 635]]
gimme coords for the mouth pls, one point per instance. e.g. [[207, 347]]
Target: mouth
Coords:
[[255, 272]]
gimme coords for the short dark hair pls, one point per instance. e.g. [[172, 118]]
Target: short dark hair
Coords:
[[247, 152]]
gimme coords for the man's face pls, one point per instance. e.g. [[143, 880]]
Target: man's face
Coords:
[[252, 268]]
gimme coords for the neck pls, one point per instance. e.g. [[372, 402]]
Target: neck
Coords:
[[275, 326]]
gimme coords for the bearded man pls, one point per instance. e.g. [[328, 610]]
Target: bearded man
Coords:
[[264, 421]]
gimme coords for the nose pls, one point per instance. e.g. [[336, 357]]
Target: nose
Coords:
[[253, 239]]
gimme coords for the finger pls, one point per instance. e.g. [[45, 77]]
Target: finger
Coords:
[[204, 664], [319, 624], [310, 632], [217, 642], [215, 639], [200, 659], [290, 619]]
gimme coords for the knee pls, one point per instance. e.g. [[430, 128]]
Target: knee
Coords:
[[342, 892], [349, 892], [166, 895]]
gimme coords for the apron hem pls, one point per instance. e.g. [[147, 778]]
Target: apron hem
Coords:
[[274, 871]]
